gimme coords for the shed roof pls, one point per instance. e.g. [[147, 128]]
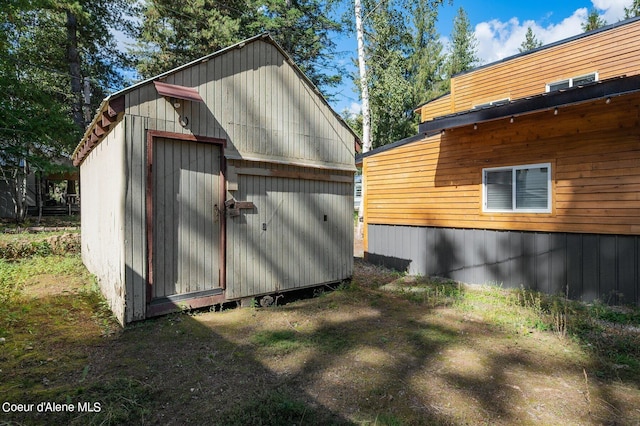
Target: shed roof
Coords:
[[605, 90], [113, 104]]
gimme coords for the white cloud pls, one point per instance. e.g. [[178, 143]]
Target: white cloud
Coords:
[[498, 39]]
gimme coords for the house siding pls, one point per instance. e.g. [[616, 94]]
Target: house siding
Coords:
[[593, 149], [594, 267], [611, 52]]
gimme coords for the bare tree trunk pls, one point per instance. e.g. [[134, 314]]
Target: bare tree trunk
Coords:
[[74, 69], [366, 112]]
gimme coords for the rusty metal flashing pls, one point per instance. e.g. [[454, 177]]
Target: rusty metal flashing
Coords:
[[177, 92]]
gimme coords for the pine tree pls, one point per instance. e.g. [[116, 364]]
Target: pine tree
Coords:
[[463, 55], [633, 10], [530, 42], [174, 33], [594, 21]]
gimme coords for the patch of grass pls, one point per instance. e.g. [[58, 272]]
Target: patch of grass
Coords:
[[278, 341], [275, 407]]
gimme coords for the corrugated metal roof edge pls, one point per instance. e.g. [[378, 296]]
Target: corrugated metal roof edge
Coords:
[[263, 36]]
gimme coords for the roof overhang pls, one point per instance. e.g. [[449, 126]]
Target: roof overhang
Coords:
[[610, 88], [178, 92]]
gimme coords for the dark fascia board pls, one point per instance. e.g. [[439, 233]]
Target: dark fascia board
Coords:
[[599, 90]]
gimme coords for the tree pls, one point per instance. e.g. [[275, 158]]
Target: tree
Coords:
[[530, 42], [594, 21], [48, 47], [174, 33], [427, 60], [463, 52], [633, 10]]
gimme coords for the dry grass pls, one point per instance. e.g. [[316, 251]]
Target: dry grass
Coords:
[[386, 350]]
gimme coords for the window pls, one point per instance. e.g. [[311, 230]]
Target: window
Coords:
[[492, 103], [523, 189], [572, 82]]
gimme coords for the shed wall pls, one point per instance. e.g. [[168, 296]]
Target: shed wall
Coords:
[[103, 176], [299, 234], [257, 101], [602, 267]]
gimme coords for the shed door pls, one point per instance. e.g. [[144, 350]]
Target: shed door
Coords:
[[186, 226]]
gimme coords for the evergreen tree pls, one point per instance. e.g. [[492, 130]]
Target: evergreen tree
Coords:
[[47, 48], [633, 10], [530, 42], [388, 73], [427, 60], [174, 33], [463, 55], [594, 21]]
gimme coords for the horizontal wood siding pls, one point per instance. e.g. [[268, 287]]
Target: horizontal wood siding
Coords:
[[299, 234], [103, 175], [594, 151], [610, 53], [257, 101], [436, 108]]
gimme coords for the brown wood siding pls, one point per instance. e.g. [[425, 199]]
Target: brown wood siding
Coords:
[[594, 151], [436, 108], [610, 53]]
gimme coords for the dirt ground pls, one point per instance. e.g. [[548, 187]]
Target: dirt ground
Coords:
[[367, 354]]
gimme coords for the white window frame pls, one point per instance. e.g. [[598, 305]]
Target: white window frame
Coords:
[[571, 80], [492, 103], [513, 170]]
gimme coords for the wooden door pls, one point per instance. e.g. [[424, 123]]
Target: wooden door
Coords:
[[186, 191]]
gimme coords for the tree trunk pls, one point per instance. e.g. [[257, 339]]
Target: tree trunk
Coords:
[[366, 112], [74, 69]]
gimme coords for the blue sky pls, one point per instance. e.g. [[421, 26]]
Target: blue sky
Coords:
[[500, 27]]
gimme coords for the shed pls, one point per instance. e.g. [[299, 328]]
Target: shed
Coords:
[[227, 178], [526, 174]]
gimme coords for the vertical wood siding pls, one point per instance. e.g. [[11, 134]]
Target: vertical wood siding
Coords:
[[594, 267], [594, 151], [135, 238], [186, 229], [610, 53], [300, 234], [256, 100], [103, 175]]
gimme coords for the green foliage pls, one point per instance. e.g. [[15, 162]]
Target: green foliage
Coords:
[[174, 33], [275, 407], [463, 55], [594, 21], [633, 10], [530, 42]]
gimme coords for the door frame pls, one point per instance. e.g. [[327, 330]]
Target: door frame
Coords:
[[152, 136]]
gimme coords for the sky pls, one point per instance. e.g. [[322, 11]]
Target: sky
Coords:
[[500, 27]]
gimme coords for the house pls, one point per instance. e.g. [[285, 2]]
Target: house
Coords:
[[526, 174], [228, 178], [357, 192]]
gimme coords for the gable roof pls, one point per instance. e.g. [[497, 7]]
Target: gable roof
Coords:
[[113, 104]]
